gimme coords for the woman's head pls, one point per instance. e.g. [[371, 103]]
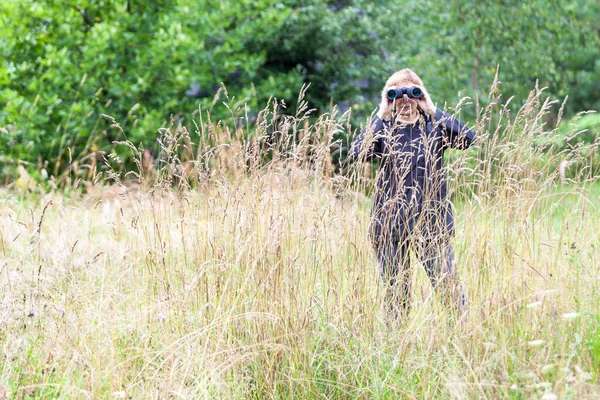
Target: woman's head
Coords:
[[406, 107]]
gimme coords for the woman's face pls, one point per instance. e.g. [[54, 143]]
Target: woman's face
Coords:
[[404, 106]]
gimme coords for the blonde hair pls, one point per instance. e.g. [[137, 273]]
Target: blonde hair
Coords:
[[404, 77]]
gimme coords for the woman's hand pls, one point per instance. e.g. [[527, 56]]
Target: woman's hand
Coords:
[[386, 106], [425, 103]]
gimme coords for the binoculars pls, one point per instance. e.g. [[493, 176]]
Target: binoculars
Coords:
[[412, 92]]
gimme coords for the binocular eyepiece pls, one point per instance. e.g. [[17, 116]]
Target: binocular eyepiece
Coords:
[[412, 92]]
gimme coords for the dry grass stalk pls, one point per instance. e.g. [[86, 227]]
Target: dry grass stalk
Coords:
[[239, 266]]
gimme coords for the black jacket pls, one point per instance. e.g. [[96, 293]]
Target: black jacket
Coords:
[[411, 192]]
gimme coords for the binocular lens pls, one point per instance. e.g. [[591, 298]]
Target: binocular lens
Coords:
[[392, 94], [412, 92], [415, 94]]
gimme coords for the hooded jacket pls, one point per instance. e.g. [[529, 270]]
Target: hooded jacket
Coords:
[[411, 190]]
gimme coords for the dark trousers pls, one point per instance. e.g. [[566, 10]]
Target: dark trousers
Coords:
[[437, 258]]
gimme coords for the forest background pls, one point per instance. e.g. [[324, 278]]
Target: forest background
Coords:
[[234, 261], [72, 68]]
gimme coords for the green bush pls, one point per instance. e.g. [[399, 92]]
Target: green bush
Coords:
[[147, 64], [142, 63]]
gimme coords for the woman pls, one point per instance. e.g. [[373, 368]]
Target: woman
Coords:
[[410, 207]]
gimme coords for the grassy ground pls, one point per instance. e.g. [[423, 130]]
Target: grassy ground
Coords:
[[265, 285], [269, 288]]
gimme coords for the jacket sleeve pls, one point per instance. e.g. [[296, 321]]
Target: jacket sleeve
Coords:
[[367, 145], [458, 135]]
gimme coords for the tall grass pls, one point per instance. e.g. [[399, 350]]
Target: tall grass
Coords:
[[236, 264]]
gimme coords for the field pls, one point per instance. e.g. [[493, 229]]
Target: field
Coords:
[[260, 281]]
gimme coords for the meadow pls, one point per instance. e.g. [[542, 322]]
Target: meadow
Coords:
[[258, 280]]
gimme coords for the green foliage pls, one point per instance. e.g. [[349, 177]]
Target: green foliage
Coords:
[[144, 62], [584, 129], [459, 47], [66, 63]]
